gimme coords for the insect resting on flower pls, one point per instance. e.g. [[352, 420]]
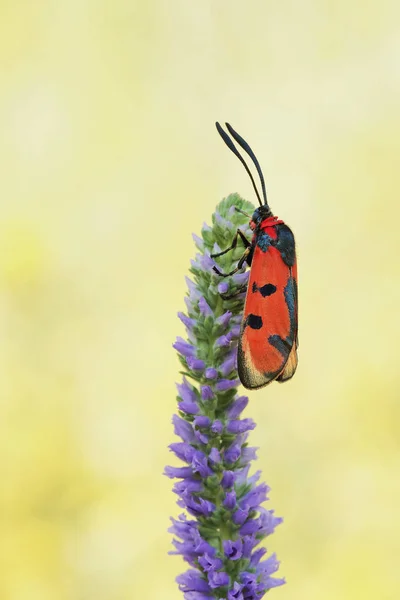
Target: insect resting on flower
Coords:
[[268, 341]]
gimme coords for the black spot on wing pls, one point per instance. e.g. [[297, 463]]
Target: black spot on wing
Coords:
[[266, 290], [254, 321]]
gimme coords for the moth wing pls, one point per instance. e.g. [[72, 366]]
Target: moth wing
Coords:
[[267, 344]]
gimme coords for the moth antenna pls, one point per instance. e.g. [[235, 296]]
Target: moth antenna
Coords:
[[235, 151], [242, 211], [250, 152]]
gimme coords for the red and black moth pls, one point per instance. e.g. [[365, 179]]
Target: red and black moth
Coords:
[[268, 342]]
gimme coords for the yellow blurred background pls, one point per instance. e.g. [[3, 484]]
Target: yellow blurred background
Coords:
[[109, 160]]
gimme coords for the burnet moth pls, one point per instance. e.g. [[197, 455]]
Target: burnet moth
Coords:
[[267, 349]]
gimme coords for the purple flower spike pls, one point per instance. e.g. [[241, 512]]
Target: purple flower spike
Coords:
[[226, 384], [228, 479], [228, 365], [192, 287], [238, 407], [224, 319], [197, 506], [183, 429], [200, 465], [240, 426], [241, 278], [269, 521], [215, 249], [206, 392], [186, 391], [257, 495], [183, 347], [236, 592], [201, 437], [187, 321], [232, 453], [248, 454], [210, 563], [192, 581], [204, 308], [218, 579], [202, 421], [189, 304], [183, 451], [194, 263], [235, 332], [186, 486], [222, 221], [249, 543], [233, 550], [215, 456], [196, 364], [224, 519], [206, 262], [198, 241], [257, 556], [240, 516], [196, 596], [223, 341], [230, 500], [172, 472], [217, 426], [211, 373], [189, 408]]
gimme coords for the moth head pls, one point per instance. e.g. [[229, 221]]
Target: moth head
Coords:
[[261, 213]]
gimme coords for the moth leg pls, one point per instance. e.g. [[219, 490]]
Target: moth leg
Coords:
[[244, 258], [244, 239], [243, 288]]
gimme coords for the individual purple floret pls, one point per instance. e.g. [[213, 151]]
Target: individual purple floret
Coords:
[[219, 533]]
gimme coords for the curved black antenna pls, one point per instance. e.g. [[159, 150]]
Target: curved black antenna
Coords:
[[250, 152], [235, 151]]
